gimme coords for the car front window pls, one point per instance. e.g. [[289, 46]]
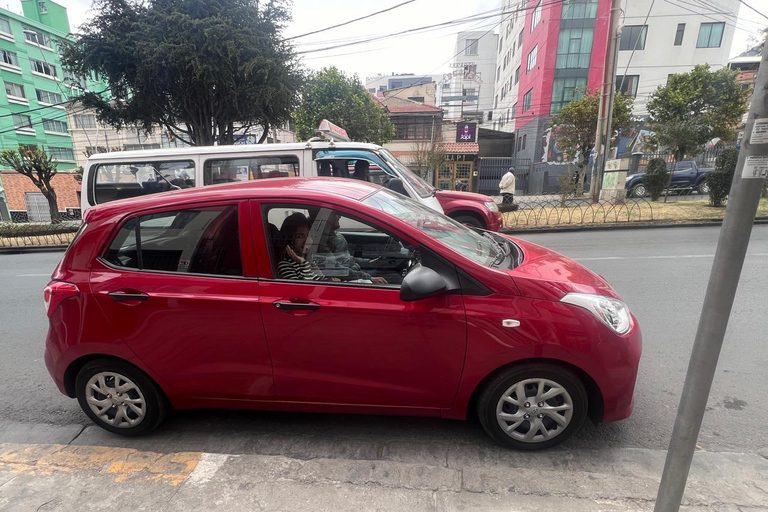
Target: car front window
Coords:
[[419, 185], [445, 230]]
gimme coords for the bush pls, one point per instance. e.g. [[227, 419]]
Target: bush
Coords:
[[569, 184], [656, 178], [719, 181]]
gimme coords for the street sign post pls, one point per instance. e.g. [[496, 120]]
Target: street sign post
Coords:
[[743, 202]]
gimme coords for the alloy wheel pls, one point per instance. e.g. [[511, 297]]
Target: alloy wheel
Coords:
[[534, 410]]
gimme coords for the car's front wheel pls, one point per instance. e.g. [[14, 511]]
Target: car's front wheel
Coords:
[[703, 188], [469, 221], [532, 406], [119, 397], [639, 191]]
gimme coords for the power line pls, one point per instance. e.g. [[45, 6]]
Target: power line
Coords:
[[749, 6], [352, 21]]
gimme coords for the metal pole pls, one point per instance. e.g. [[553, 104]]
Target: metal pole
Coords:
[[729, 258], [609, 118], [608, 73]]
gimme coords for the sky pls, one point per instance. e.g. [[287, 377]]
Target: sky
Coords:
[[422, 53]]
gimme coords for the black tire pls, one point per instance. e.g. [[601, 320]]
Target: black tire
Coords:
[[639, 190], [703, 188], [492, 392], [469, 220], [155, 405]]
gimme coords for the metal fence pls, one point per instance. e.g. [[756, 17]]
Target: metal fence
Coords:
[[491, 169], [553, 212], [705, 159]]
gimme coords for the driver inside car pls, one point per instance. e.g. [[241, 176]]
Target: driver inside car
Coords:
[[335, 249]]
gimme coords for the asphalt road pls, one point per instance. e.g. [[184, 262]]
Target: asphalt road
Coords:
[[661, 274]]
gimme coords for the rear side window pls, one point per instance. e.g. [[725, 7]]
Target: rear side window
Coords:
[[191, 241], [113, 181], [228, 170]]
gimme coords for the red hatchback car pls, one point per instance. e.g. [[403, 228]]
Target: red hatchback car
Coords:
[[335, 296]]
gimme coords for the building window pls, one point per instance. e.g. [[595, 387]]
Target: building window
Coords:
[[532, 59], [5, 27], [15, 90], [37, 37], [564, 90], [470, 93], [710, 35], [52, 98], [43, 68], [22, 122], [501, 43], [496, 102], [470, 71], [9, 58], [395, 85], [140, 147], [525, 137], [579, 9], [528, 101], [679, 34], [517, 74], [42, 8], [417, 99], [490, 115], [61, 153], [514, 110], [413, 127], [536, 16], [471, 47], [628, 85], [71, 79], [85, 121], [633, 37], [574, 48], [53, 125], [520, 39]]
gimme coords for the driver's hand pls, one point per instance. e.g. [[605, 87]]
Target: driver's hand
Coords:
[[378, 280]]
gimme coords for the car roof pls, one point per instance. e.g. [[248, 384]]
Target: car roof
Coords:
[[146, 154], [289, 188]]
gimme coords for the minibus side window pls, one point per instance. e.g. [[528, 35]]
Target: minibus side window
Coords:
[[120, 180], [228, 170]]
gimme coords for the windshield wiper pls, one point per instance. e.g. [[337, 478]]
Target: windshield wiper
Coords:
[[502, 252]]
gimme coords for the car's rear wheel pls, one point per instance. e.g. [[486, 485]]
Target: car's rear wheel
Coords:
[[532, 406], [639, 191], [469, 220], [119, 397], [703, 188]]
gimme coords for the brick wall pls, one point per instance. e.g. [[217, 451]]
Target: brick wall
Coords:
[[16, 185]]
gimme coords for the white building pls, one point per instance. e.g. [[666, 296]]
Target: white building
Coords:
[[467, 92], [380, 83], [508, 66]]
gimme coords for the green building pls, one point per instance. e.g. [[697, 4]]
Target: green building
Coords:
[[35, 84]]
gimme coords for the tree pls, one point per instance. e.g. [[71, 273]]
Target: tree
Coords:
[[694, 108], [575, 125], [330, 94], [200, 69], [38, 166], [721, 178], [428, 156], [656, 176]]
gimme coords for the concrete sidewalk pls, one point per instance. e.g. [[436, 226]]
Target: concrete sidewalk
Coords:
[[408, 477]]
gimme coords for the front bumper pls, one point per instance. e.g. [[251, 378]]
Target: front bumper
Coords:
[[495, 221], [620, 357]]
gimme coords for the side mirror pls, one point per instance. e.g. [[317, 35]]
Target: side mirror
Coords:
[[396, 185], [421, 283]]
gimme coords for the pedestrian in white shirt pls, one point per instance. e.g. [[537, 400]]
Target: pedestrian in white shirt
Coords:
[[507, 186]]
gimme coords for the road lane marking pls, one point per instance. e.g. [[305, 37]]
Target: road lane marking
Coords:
[[207, 467], [662, 257]]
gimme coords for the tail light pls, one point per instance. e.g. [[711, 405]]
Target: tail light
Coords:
[[56, 292]]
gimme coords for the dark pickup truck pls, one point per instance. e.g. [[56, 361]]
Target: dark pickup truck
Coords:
[[687, 176]]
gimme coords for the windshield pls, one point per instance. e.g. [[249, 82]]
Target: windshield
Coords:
[[421, 187], [455, 236]]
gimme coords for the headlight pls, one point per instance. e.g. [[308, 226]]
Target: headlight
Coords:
[[612, 312], [491, 206]]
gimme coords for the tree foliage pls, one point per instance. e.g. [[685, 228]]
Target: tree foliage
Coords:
[[576, 123], [429, 156], [656, 176], [694, 108], [39, 167], [330, 94], [720, 179], [201, 69]]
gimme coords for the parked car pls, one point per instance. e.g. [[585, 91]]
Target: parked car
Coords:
[[686, 176], [189, 300], [122, 174]]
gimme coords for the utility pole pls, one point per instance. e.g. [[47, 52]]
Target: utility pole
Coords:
[[607, 94], [743, 201]]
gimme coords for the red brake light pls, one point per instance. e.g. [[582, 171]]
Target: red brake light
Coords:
[[56, 292]]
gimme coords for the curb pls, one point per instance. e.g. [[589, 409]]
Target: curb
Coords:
[[625, 225], [33, 248]]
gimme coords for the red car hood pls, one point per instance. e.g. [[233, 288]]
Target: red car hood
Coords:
[[467, 196], [545, 274]]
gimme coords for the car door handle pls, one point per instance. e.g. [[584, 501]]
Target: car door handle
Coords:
[[296, 306], [126, 297]]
